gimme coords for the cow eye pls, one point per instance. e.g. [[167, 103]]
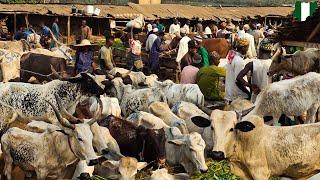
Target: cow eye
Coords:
[[231, 130], [80, 139]]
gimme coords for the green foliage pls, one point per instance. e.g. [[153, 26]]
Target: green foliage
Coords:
[[217, 171]]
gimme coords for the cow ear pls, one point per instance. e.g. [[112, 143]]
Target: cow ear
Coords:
[[177, 142], [127, 80], [244, 126], [110, 164], [201, 121], [141, 165]]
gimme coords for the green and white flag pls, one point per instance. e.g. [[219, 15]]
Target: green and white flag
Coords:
[[304, 9]]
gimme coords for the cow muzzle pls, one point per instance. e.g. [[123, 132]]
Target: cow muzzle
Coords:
[[203, 170], [217, 155], [93, 162], [84, 176]]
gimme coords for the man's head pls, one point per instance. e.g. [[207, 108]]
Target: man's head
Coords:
[[196, 61], [183, 32], [192, 45], [136, 36], [246, 27], [84, 22], [175, 21], [228, 20], [215, 58], [56, 20], [188, 22], [198, 39], [242, 45], [157, 21], [109, 41], [223, 25], [42, 24], [161, 35]]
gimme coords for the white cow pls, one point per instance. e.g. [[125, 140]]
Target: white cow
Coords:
[[33, 151], [147, 120], [10, 65], [124, 169], [291, 97], [181, 92], [162, 110], [135, 100], [258, 151], [164, 175], [190, 112]]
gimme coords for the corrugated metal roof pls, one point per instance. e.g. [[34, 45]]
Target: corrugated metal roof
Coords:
[[154, 11]]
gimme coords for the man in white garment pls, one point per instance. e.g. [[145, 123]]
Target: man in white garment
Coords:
[[187, 27], [259, 77], [151, 38], [174, 28], [233, 67], [243, 33], [183, 45]]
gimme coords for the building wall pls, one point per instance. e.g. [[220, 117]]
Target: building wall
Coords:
[[146, 1]]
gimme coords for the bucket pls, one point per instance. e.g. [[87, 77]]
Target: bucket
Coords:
[[73, 9], [97, 12], [89, 9]]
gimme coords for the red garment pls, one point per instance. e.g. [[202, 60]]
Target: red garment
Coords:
[[189, 75]]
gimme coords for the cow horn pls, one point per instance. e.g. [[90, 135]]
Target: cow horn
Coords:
[[97, 114], [62, 121], [206, 110], [70, 117]]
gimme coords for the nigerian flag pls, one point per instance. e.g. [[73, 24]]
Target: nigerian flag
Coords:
[[304, 9]]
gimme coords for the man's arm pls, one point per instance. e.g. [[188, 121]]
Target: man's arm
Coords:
[[240, 78]]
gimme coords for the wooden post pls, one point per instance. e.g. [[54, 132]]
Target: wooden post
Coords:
[[15, 22], [314, 32], [26, 18], [68, 31]]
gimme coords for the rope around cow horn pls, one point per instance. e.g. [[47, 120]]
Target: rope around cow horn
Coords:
[[35, 73]]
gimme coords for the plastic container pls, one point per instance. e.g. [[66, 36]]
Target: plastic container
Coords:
[[89, 10], [96, 11]]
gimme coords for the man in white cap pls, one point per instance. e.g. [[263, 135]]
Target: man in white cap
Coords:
[[244, 33], [257, 34], [207, 32], [174, 28], [187, 27], [202, 51], [183, 45], [151, 38]]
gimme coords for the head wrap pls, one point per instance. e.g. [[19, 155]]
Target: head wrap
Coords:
[[198, 38], [155, 30]]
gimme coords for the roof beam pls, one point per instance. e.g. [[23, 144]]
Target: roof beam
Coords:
[[314, 32]]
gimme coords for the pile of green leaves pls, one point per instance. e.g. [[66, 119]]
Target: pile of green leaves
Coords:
[[118, 44], [216, 171]]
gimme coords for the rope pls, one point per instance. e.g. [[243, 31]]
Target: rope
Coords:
[[35, 73]]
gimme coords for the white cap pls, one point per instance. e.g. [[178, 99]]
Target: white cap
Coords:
[[246, 27], [198, 38], [207, 31], [155, 30]]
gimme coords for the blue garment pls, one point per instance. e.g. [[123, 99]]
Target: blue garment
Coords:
[[84, 61], [154, 56], [45, 31]]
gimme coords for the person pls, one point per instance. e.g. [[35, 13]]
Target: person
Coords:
[[202, 51], [207, 32], [84, 57], [214, 30], [187, 27], [189, 73], [244, 33], [222, 32], [154, 54], [151, 38], [85, 31], [45, 36], [149, 28], [19, 34], [233, 67], [174, 28], [199, 27], [188, 57], [160, 26], [183, 45], [265, 46], [55, 32], [257, 34], [259, 78], [105, 55], [134, 61], [230, 25], [210, 79]]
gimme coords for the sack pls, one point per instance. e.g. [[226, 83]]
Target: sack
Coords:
[[138, 64], [137, 23]]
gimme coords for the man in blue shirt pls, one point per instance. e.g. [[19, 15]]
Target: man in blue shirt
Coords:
[[45, 35]]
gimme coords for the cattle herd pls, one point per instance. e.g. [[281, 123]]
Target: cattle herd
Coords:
[[117, 124]]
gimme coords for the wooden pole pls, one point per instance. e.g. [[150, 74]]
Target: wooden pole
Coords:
[[68, 30], [26, 18], [15, 22], [314, 32]]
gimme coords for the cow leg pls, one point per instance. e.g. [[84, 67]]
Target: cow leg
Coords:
[[311, 114], [237, 170], [259, 173], [8, 163], [41, 174]]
